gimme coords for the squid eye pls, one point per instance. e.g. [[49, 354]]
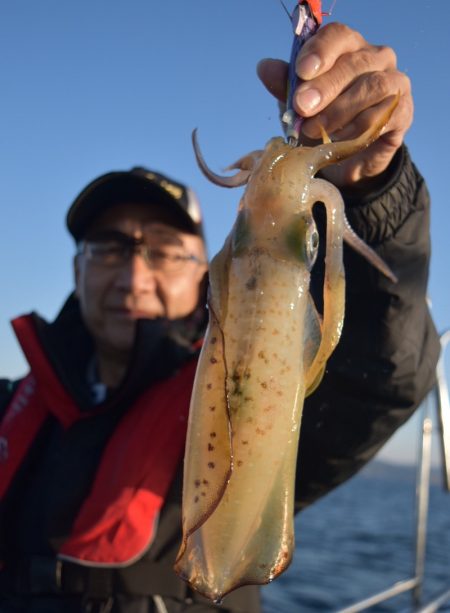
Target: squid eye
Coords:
[[311, 246], [302, 240]]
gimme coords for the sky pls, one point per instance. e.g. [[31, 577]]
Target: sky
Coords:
[[98, 85]]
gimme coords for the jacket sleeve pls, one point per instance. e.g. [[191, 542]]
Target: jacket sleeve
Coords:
[[385, 362]]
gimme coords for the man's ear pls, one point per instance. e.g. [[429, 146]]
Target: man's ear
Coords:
[[199, 249]]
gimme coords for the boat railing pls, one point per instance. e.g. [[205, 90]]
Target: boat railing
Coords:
[[435, 409]]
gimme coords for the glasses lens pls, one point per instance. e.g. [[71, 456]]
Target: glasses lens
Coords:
[[164, 249], [166, 259], [108, 253]]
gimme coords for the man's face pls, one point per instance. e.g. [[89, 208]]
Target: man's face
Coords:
[[114, 294]]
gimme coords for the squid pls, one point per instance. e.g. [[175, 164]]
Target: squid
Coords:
[[265, 350]]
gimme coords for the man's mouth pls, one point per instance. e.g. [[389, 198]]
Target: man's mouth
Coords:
[[130, 313]]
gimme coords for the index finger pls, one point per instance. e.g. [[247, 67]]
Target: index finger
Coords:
[[321, 51]]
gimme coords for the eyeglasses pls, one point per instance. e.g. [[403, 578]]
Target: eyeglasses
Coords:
[[115, 251]]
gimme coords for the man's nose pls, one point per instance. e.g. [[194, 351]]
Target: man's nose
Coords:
[[136, 275]]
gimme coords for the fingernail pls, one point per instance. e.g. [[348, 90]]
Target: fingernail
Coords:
[[308, 99], [308, 66]]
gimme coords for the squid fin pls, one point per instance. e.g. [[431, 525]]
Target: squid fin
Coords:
[[208, 461]]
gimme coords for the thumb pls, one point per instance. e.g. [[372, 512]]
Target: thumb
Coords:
[[273, 75]]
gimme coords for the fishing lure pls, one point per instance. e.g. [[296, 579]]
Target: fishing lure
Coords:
[[265, 349], [306, 18]]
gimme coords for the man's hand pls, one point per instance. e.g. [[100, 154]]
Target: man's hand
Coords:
[[347, 84]]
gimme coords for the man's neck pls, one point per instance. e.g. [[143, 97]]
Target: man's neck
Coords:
[[111, 367]]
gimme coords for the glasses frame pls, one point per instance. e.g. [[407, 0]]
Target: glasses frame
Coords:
[[132, 246]]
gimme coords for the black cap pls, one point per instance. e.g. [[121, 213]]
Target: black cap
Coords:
[[138, 185]]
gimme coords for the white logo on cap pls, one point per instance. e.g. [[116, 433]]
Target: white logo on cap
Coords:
[[193, 207]]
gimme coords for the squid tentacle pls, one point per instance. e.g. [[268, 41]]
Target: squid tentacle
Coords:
[[237, 180], [334, 284], [332, 152], [357, 243]]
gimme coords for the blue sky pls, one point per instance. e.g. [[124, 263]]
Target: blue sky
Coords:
[[99, 85]]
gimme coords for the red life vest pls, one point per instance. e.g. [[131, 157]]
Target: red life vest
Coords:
[[117, 521]]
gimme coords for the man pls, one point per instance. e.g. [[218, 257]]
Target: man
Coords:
[[92, 439]]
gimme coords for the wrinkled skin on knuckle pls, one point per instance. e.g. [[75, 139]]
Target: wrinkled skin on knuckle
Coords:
[[343, 31], [387, 54], [404, 116], [363, 61], [325, 39], [380, 82], [407, 108], [406, 100]]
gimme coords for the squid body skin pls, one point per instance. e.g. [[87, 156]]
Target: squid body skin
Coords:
[[265, 348]]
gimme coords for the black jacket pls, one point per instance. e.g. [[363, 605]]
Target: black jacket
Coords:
[[379, 373]]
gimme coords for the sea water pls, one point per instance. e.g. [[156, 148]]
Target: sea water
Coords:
[[359, 540]]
